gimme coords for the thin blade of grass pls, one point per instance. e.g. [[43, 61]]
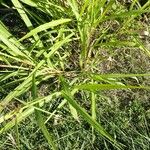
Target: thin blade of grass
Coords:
[[12, 58], [45, 27], [17, 134], [14, 47], [30, 3], [4, 30], [25, 111], [99, 76], [88, 118], [13, 50], [74, 7], [26, 19], [117, 44], [39, 117], [94, 87], [68, 96], [102, 16], [57, 45], [93, 111], [19, 89], [126, 14]]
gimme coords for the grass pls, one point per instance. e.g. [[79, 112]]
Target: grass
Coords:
[[75, 75]]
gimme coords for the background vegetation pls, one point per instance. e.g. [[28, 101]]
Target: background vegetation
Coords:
[[74, 74]]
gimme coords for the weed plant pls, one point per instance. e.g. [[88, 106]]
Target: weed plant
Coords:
[[74, 74]]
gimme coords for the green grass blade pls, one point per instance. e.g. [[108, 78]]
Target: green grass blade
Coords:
[[45, 27], [22, 13], [25, 18], [57, 45], [94, 87], [4, 30], [126, 14], [30, 3], [117, 44], [142, 46], [14, 47], [17, 134], [93, 111], [13, 50], [74, 7], [43, 128], [20, 89], [39, 117], [25, 111], [13, 58], [108, 8], [93, 105], [9, 75], [88, 118], [68, 96], [99, 76]]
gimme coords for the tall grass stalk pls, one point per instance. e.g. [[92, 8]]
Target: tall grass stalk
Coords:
[[39, 116]]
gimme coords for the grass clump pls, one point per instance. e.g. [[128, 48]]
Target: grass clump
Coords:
[[74, 74]]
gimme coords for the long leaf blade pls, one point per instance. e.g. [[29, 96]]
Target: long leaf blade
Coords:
[[45, 27]]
